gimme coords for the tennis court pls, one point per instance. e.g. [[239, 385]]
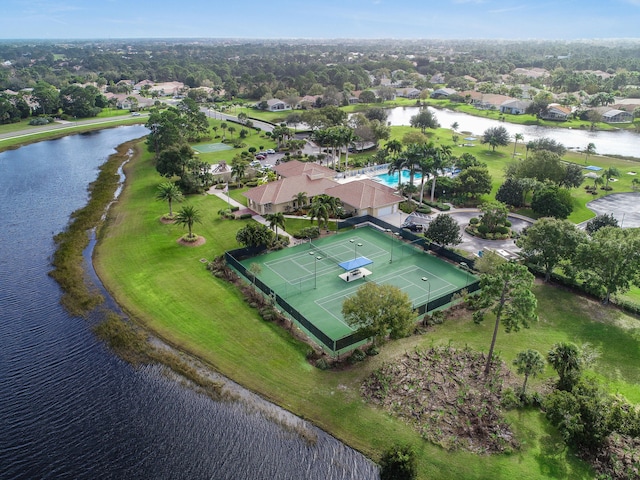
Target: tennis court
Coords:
[[306, 275], [211, 147]]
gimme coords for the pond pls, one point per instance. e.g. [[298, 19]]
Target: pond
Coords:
[[618, 142]]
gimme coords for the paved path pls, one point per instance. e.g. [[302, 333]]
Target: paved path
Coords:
[[258, 218], [66, 125]]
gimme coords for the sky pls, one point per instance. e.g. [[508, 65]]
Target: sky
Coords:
[[286, 19]]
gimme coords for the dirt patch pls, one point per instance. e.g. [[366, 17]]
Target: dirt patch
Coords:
[[192, 243], [442, 392], [167, 220]]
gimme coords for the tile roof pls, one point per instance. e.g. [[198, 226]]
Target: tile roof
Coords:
[[294, 168], [364, 194], [285, 189]]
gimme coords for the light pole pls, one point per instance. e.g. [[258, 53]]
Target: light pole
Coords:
[[466, 269], [425, 279], [388, 230], [355, 245], [315, 268]]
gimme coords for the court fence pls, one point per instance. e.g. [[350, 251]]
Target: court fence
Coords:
[[334, 346]]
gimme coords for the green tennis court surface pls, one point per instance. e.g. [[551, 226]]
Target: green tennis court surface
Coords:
[[211, 147], [306, 275]]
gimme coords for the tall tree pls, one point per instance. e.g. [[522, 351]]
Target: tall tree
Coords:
[[550, 242], [590, 150], [444, 230], [565, 359], [517, 137], [609, 261], [507, 294], [187, 216], [275, 220], [441, 160], [378, 310], [169, 192], [496, 137], [423, 120], [529, 363]]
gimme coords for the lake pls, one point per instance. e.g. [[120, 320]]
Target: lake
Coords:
[[618, 142], [70, 409]]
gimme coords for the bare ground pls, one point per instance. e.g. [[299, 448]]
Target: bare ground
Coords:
[[442, 392]]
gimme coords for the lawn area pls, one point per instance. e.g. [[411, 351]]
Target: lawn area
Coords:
[[165, 287]]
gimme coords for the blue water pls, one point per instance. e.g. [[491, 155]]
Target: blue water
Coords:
[[392, 180], [70, 409]]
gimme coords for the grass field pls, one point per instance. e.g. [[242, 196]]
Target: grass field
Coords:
[[306, 276], [165, 287]]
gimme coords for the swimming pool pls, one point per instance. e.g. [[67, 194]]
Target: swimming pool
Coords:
[[392, 180]]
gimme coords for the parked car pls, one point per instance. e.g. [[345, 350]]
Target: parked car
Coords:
[[255, 163], [261, 157], [271, 151], [414, 227]]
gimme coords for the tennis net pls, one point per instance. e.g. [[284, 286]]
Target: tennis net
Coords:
[[325, 254]]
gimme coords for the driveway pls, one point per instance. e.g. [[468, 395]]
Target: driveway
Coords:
[[625, 207], [474, 244]]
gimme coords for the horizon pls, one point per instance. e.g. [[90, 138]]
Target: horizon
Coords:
[[287, 20]]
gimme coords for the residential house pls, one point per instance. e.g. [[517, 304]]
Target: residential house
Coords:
[[366, 197], [514, 106], [277, 105], [443, 93], [437, 78], [557, 112], [138, 86], [617, 116], [359, 197], [280, 196], [408, 92]]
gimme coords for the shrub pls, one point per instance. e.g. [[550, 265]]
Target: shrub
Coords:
[[426, 210], [357, 356], [235, 208], [483, 229], [245, 216], [502, 230], [398, 463], [308, 232], [322, 364], [373, 351], [507, 224], [474, 221], [407, 207], [40, 121]]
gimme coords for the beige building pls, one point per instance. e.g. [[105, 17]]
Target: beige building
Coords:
[[359, 197]]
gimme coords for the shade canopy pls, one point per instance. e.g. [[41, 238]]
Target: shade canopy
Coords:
[[356, 263]]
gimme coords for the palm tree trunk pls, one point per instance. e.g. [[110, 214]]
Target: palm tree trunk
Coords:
[[433, 186], [487, 367]]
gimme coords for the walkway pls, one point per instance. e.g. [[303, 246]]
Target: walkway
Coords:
[[258, 218]]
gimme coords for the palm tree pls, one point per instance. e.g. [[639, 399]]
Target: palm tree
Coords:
[[427, 165], [275, 220], [238, 170], [517, 137], [396, 166], [393, 147], [348, 137], [591, 150], [319, 210], [529, 363], [188, 215], [170, 192], [454, 126], [324, 206], [441, 161], [301, 199], [224, 126], [232, 130], [608, 173]]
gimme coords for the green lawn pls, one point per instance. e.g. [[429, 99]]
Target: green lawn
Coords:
[[165, 287]]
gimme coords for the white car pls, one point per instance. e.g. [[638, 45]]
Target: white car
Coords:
[[271, 151]]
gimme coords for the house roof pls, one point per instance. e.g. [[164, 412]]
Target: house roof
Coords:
[[514, 103], [295, 168], [364, 194], [274, 101], [614, 112], [559, 108], [285, 189]]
